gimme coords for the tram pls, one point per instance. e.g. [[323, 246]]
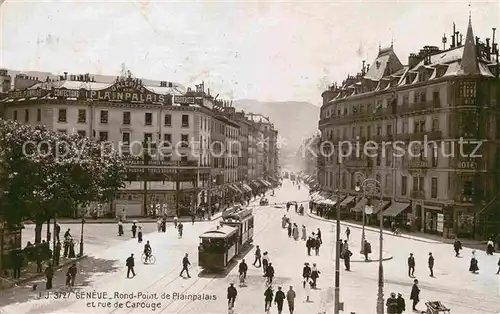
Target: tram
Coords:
[[219, 246]]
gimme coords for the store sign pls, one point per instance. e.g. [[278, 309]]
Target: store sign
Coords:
[[184, 100], [28, 93], [175, 163], [467, 165], [440, 223], [128, 90]]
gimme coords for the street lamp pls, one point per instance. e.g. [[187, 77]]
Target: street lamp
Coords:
[[374, 187], [357, 188], [81, 233]]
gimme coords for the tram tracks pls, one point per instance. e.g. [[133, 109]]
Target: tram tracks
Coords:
[[158, 285]]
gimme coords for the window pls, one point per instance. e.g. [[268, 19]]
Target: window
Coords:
[[404, 185], [14, 115], [435, 98], [415, 183], [82, 133], [148, 118], [148, 137], [167, 120], [467, 188], [26, 115], [389, 129], [405, 100], [82, 116], [126, 118], [379, 130], [38, 115], [467, 90], [377, 177], [185, 120], [434, 156], [434, 187], [435, 124], [167, 140], [62, 115], [423, 97], [368, 131], [103, 136], [344, 180], [126, 138], [184, 157], [184, 140], [104, 116]]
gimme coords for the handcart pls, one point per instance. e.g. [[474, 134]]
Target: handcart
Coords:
[[436, 307]]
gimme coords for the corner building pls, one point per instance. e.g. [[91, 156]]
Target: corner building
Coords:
[[445, 96]]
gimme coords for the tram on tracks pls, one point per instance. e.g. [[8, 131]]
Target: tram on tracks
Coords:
[[219, 246]]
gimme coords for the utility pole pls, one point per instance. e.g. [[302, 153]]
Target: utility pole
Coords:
[[337, 305], [146, 157]]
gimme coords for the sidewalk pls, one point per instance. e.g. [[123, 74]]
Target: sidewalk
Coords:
[[416, 236], [28, 273], [141, 220]]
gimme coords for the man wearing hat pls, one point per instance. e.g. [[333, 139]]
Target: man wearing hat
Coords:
[[401, 304], [392, 304], [231, 295], [306, 273], [414, 295], [279, 297]]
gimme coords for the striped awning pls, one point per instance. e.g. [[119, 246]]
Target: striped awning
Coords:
[[395, 209], [265, 183], [360, 206], [347, 200], [246, 187]]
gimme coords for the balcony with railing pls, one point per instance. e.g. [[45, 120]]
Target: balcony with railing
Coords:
[[418, 164]]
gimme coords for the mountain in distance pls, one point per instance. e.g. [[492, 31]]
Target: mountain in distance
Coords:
[[294, 120]]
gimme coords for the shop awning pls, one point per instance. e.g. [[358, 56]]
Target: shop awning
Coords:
[[237, 188], [313, 195], [347, 200], [327, 202], [379, 205], [246, 187], [256, 184], [360, 206], [395, 209], [232, 187], [265, 183]]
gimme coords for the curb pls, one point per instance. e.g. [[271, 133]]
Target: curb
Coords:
[[388, 258], [20, 282], [370, 229]]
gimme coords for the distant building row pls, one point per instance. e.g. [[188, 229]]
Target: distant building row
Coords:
[[201, 149]]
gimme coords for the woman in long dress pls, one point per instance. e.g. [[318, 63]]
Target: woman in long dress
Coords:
[[473, 263], [304, 233], [490, 247], [295, 232]]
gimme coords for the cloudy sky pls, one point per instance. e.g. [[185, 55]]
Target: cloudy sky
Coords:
[[244, 49]]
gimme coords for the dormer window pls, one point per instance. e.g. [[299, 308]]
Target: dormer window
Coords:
[[377, 64]]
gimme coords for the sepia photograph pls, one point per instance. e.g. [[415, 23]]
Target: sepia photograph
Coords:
[[244, 157]]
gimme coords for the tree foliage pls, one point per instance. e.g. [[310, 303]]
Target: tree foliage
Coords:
[[45, 173]]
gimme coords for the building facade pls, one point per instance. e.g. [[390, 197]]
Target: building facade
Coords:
[[441, 106], [179, 148]]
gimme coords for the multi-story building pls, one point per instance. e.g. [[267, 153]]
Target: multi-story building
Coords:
[[308, 154], [440, 100]]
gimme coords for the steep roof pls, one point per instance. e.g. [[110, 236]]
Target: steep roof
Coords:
[[469, 64], [386, 61]]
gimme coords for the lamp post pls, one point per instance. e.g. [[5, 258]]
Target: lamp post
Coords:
[[337, 305], [373, 187], [81, 233], [357, 188]]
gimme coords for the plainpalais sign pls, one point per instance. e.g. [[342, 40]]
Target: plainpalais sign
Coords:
[[126, 90]]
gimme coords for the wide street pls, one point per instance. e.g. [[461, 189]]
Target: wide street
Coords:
[[453, 285]]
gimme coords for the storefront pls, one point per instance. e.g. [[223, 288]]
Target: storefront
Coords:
[[464, 218], [433, 218]]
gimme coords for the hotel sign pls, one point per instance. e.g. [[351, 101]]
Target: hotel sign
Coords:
[[467, 165]]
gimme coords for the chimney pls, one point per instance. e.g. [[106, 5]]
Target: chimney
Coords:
[[493, 41], [488, 49], [456, 39], [363, 70], [208, 91], [414, 59], [65, 75], [461, 35], [367, 69], [453, 43]]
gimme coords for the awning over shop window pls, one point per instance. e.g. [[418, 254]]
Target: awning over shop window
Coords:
[[379, 205], [265, 183], [395, 209], [360, 206], [256, 184], [313, 195], [232, 187], [246, 187], [347, 200], [327, 202], [237, 188]]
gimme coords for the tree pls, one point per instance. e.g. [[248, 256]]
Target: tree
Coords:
[[44, 173]]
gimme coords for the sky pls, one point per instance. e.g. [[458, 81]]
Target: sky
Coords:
[[269, 51]]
